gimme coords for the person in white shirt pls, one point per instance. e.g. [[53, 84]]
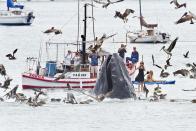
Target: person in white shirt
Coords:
[[68, 59]]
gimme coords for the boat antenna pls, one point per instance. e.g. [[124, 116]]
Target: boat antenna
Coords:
[[84, 35], [93, 21], [140, 14], [78, 25]]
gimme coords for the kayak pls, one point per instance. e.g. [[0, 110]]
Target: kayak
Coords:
[[156, 82]]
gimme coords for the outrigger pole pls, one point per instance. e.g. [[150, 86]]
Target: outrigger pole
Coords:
[[84, 36], [140, 14]]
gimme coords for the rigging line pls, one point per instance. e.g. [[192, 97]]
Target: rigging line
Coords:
[[78, 33], [66, 23], [93, 21], [40, 49]]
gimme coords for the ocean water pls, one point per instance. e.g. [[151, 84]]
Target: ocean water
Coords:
[[109, 114]]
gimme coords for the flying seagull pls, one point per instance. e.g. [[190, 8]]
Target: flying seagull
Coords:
[[164, 74], [6, 83], [170, 48], [11, 56], [187, 16], [167, 63], [51, 30], [177, 4], [99, 42], [124, 15], [145, 24], [106, 4], [186, 55], [2, 70], [153, 62]]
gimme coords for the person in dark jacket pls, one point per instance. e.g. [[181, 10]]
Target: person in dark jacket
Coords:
[[122, 50]]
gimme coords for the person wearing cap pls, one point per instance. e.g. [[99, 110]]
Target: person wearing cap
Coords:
[[94, 63], [134, 56], [122, 50]]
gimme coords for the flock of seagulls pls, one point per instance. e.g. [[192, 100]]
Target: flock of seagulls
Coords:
[[187, 16], [183, 72]]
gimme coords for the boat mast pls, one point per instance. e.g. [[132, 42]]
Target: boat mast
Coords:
[[78, 25], [140, 14], [84, 36]]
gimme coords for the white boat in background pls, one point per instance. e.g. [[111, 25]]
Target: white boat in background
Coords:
[[150, 35], [16, 15]]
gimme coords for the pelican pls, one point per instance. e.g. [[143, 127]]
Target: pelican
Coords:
[[99, 42], [164, 74], [145, 24], [177, 4], [1, 99], [2, 70], [55, 99], [170, 48], [193, 101], [186, 55], [12, 93], [124, 15], [106, 4], [71, 99], [6, 83], [182, 72], [167, 63], [11, 56], [187, 16], [51, 30], [155, 64], [194, 64]]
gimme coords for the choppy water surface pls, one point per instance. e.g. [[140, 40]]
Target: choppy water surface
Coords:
[[110, 114]]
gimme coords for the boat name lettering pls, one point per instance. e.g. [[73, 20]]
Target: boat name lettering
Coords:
[[36, 76], [78, 74]]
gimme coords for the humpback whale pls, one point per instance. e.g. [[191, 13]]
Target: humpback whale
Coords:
[[114, 79]]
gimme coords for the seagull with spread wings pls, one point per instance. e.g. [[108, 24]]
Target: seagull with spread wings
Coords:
[[99, 42], [11, 56], [153, 62], [53, 30], [124, 15], [170, 48], [187, 16], [106, 4], [177, 4], [186, 55]]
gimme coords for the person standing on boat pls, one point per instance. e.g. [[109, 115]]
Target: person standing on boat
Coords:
[[122, 50], [77, 61], [94, 63], [68, 60], [134, 56], [140, 77]]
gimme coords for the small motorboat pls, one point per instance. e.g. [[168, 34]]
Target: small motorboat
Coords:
[[16, 15]]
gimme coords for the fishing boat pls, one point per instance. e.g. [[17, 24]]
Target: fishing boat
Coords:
[[148, 35], [74, 74], [16, 15]]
